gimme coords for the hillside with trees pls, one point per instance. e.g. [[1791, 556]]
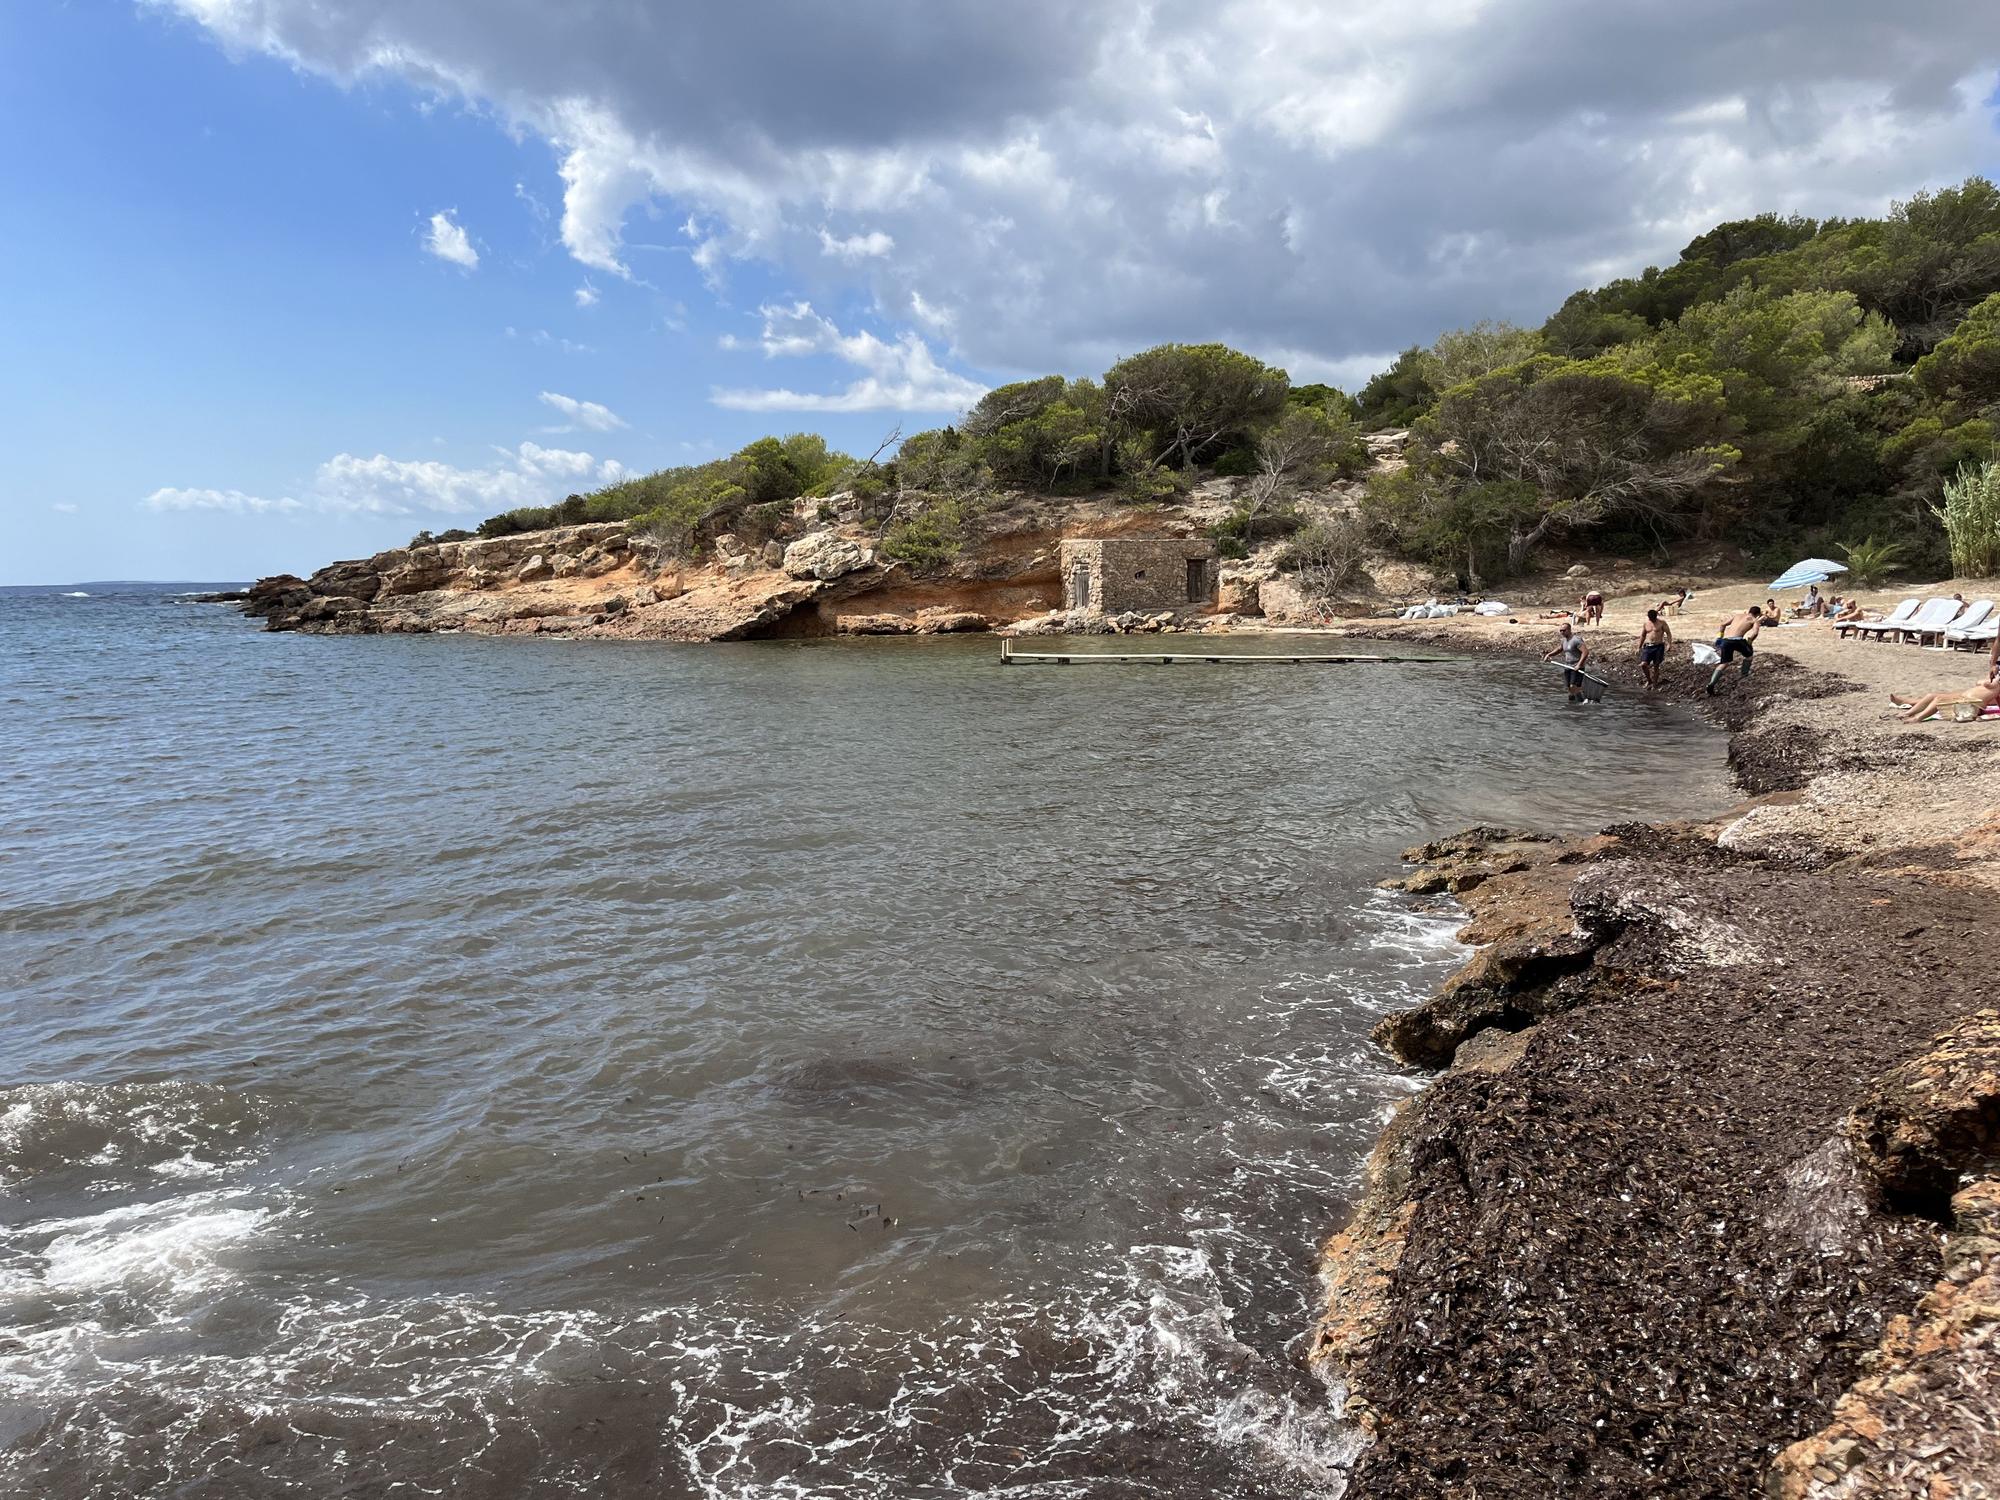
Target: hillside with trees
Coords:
[[1787, 386]]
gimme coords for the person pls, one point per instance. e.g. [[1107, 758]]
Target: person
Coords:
[[1848, 609], [1812, 606], [1771, 610], [1654, 638], [1920, 706], [1738, 631], [1574, 653], [1593, 608]]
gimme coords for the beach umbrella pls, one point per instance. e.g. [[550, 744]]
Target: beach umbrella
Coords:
[[1812, 570]]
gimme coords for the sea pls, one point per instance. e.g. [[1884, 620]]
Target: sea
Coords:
[[479, 1067]]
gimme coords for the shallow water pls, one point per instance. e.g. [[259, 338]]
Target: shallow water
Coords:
[[504, 1067]]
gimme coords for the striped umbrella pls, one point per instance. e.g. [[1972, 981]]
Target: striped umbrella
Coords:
[[1812, 570]]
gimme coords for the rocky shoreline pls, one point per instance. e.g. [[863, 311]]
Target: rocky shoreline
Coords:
[[1703, 1199]]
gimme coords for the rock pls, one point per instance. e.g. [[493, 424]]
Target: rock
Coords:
[[939, 621], [536, 567], [773, 555], [1579, 570], [1281, 598], [615, 605], [594, 562], [873, 625], [1937, 1116], [645, 594], [823, 555], [565, 566]]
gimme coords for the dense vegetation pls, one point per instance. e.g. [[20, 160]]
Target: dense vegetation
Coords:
[[1789, 385]]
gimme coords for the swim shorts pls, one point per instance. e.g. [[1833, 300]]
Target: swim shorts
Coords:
[[1653, 653], [1731, 645]]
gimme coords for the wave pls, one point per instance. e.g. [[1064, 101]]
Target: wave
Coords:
[[123, 1132], [77, 594]]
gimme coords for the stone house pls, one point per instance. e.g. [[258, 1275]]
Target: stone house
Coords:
[[1144, 574]]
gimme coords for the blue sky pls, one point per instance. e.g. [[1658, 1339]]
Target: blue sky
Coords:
[[233, 346]]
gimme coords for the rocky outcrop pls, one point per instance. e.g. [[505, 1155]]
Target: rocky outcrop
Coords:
[[477, 584], [1926, 1125], [825, 555]]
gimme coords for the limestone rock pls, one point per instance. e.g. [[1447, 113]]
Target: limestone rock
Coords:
[[1935, 1117], [950, 621], [535, 568], [565, 566], [824, 555], [873, 625], [1578, 570], [773, 555]]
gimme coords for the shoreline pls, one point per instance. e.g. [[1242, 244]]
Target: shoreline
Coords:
[[1651, 1228]]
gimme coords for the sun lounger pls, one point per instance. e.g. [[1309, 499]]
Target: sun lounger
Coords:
[[1931, 616], [1895, 617], [1976, 614], [1948, 614], [1976, 637]]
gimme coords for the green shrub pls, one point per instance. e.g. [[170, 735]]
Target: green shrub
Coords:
[[1237, 463], [929, 540]]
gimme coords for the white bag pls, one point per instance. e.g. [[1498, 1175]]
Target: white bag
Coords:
[[1706, 656]]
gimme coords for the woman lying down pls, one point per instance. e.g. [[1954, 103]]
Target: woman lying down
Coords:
[[1964, 705]]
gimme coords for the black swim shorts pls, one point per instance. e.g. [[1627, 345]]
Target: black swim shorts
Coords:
[[1732, 645]]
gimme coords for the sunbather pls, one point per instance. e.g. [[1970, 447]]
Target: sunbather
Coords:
[[1923, 705], [1848, 609]]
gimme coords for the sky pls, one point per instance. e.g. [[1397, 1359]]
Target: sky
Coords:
[[289, 280]]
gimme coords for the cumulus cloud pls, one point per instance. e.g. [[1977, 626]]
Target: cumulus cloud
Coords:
[[447, 241], [856, 247], [528, 474], [229, 500], [897, 376], [586, 295], [584, 413], [1055, 184]]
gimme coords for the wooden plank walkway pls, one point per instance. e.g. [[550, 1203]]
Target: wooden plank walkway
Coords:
[[1012, 658]]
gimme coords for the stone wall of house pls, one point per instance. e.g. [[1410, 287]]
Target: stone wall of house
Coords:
[[1143, 574]]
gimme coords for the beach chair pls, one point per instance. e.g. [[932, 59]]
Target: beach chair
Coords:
[[1931, 616], [1890, 621], [1976, 614], [1978, 638]]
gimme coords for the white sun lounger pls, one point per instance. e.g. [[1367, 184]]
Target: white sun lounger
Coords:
[[1976, 614], [1932, 616], [1895, 617], [1978, 635], [1945, 619]]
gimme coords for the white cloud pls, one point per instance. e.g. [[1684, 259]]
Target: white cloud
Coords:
[[447, 241], [535, 205], [586, 295], [584, 413], [64, 508], [348, 483], [229, 500], [1070, 182], [856, 247], [898, 376], [526, 475]]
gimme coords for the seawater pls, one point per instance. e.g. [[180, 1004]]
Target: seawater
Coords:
[[474, 1067]]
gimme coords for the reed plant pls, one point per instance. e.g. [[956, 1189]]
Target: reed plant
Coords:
[[1971, 517]]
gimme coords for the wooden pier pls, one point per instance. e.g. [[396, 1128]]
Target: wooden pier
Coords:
[[1009, 657]]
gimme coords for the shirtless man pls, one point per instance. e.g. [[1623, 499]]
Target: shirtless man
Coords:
[[1592, 610], [1654, 638], [1574, 653], [1922, 706], [1734, 639]]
